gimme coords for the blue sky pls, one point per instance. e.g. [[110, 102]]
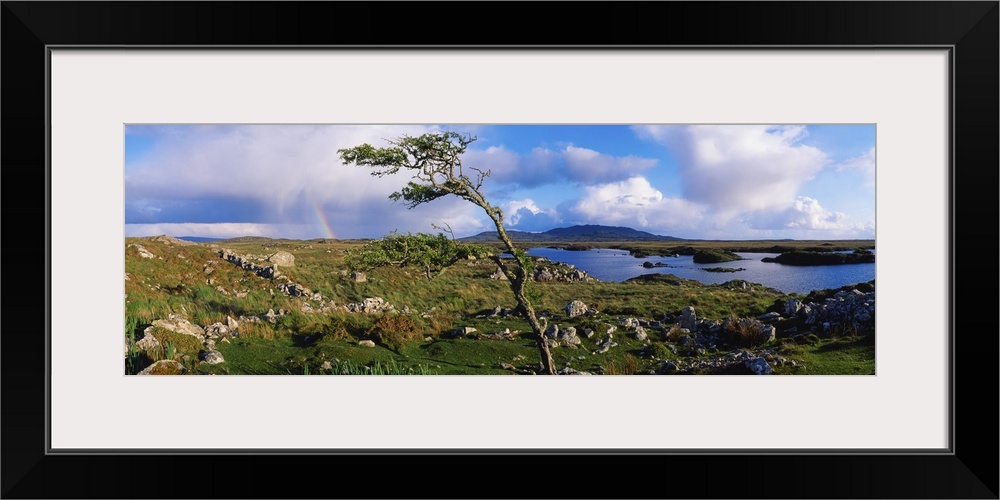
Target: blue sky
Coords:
[[688, 181]]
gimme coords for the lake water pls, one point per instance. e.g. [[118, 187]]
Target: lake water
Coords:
[[619, 265]]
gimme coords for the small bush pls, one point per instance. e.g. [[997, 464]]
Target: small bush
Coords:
[[177, 342], [660, 351], [628, 366], [394, 330], [674, 333], [746, 331]]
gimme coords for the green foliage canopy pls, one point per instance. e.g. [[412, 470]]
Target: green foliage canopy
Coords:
[[431, 253]]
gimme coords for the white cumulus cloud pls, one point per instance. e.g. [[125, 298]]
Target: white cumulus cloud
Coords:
[[739, 168], [526, 215], [636, 202], [805, 215]]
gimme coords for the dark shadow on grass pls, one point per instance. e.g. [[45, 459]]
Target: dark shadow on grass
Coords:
[[848, 343]]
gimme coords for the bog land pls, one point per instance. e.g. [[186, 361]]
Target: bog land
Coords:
[[252, 305]]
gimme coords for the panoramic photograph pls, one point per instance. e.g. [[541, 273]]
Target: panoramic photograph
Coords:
[[497, 249]]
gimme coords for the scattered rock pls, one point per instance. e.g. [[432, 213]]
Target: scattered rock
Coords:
[[211, 357], [569, 338], [769, 317], [147, 342], [366, 343], [170, 240], [792, 307], [146, 254], [282, 258], [759, 366], [216, 330], [552, 331], [606, 346], [640, 333], [576, 308], [371, 305], [179, 324], [463, 331], [246, 263], [689, 319], [164, 367], [498, 275]]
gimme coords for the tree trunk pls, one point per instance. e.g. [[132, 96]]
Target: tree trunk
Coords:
[[548, 366], [517, 284]]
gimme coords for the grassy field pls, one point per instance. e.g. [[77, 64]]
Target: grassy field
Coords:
[[192, 280]]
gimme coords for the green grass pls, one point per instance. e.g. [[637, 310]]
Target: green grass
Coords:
[[843, 356], [301, 342]]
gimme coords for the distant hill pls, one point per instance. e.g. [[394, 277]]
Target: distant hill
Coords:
[[199, 239], [575, 233]]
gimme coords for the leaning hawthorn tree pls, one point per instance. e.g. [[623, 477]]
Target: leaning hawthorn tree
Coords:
[[435, 160]]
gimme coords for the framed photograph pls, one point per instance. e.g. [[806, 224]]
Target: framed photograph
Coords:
[[130, 129]]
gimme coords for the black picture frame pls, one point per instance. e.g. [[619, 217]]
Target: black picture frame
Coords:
[[969, 471]]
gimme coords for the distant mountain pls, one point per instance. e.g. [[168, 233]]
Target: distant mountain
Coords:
[[574, 233], [199, 239]]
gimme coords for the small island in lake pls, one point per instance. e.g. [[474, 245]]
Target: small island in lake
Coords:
[[803, 258], [714, 255], [724, 269]]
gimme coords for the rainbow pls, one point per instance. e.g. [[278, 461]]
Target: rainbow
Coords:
[[321, 217]]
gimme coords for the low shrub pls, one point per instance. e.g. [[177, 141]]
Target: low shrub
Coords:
[[628, 366], [660, 351], [394, 330], [674, 334], [746, 331]]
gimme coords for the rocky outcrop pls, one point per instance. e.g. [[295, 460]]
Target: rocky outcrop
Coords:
[[170, 240], [178, 324], [294, 290], [688, 319], [371, 305], [567, 274], [853, 308], [146, 254], [147, 342], [738, 362], [759, 366], [247, 264], [164, 367]]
